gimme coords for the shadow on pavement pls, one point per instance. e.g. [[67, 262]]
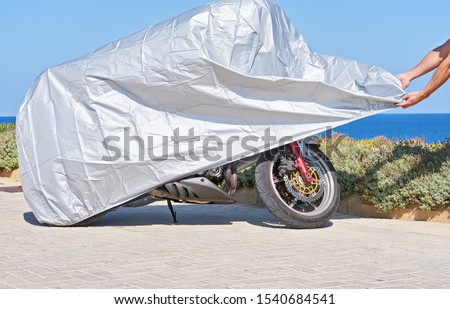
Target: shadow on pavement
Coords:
[[187, 214]]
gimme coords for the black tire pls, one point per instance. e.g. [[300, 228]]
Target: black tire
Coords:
[[279, 200]]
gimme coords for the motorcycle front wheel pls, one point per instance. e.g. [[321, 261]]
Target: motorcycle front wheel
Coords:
[[292, 201]]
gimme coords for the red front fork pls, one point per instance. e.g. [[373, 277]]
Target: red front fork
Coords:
[[300, 163]]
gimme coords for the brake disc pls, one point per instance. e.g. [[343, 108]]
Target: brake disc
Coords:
[[309, 192]]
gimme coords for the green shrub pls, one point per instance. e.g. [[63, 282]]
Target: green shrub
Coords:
[[6, 127], [8, 150], [246, 177], [394, 175]]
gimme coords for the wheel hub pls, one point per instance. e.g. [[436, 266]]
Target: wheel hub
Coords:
[[306, 192], [299, 185]]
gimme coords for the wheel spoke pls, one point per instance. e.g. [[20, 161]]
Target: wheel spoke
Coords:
[[291, 205], [312, 205]]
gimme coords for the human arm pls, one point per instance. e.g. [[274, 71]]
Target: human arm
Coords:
[[430, 62], [439, 77]]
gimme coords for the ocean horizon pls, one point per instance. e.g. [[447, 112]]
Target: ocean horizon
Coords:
[[10, 119], [429, 127]]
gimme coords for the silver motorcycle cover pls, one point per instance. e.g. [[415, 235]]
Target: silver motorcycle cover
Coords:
[[223, 81]]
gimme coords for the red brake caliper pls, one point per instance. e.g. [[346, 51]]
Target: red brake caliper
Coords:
[[300, 163]]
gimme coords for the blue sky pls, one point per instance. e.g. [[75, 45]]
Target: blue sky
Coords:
[[394, 35]]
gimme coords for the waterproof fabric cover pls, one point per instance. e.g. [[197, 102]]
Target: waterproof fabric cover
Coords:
[[226, 70]]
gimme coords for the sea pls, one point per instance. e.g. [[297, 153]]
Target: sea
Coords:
[[7, 119], [429, 127]]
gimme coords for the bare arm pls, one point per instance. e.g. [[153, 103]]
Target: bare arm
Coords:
[[430, 62], [439, 77]]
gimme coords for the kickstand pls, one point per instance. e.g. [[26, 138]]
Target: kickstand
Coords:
[[173, 212]]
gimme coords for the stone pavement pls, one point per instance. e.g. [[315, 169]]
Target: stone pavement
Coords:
[[218, 246]]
